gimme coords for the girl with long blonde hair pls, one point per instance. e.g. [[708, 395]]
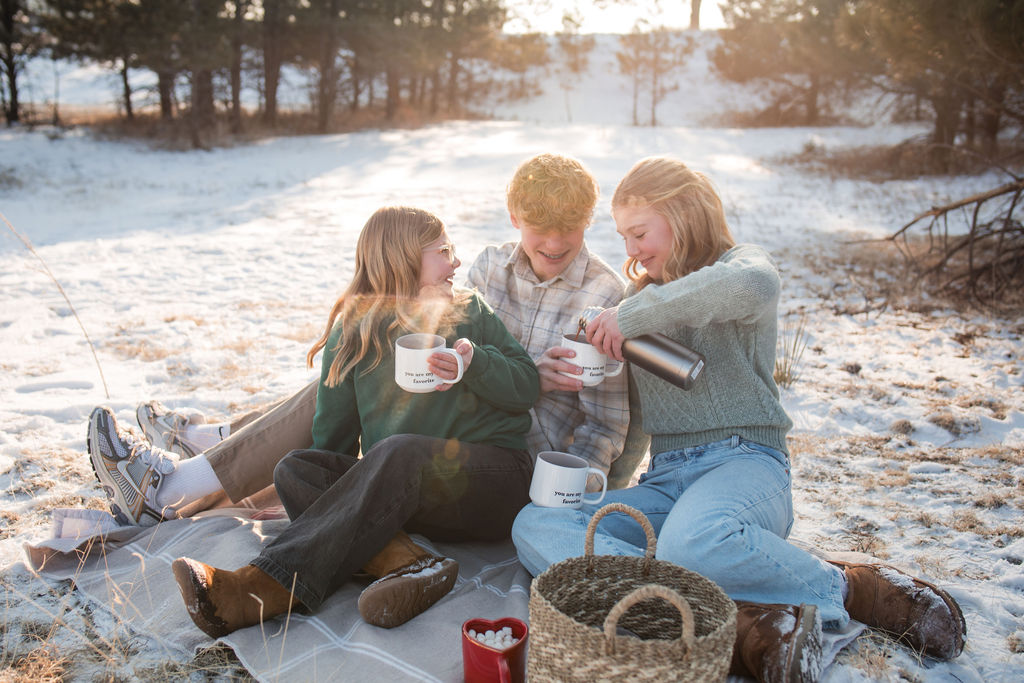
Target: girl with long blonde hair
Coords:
[[451, 464], [718, 488]]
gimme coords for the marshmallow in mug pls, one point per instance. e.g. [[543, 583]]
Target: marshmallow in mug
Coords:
[[412, 352], [560, 481], [594, 363]]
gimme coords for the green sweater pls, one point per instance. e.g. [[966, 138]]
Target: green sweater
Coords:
[[728, 312], [489, 406]]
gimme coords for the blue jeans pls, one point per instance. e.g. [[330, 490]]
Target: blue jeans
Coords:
[[344, 510], [722, 509]]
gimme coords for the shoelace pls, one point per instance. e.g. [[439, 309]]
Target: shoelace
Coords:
[[160, 460]]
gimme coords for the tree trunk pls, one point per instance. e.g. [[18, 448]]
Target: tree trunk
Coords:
[[655, 69], [165, 86], [56, 94], [328, 87], [391, 99], [435, 88], [236, 67], [202, 105], [970, 121], [636, 97], [272, 28], [695, 15], [991, 113], [10, 62], [126, 91], [811, 100], [453, 82], [357, 84], [947, 117]]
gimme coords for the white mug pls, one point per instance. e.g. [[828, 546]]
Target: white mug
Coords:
[[593, 362], [411, 370], [560, 481]]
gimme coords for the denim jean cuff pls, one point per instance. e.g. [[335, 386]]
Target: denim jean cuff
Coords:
[[303, 593]]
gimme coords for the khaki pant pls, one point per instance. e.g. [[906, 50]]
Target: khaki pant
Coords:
[[245, 461]]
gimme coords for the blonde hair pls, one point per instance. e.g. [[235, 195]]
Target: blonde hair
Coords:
[[687, 200], [552, 192], [381, 297]]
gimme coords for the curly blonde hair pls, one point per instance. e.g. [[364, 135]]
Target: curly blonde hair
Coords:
[[553, 192], [687, 200]]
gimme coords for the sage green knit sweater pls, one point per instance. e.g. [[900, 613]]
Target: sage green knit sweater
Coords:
[[728, 312]]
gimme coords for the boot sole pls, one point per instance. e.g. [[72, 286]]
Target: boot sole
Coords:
[[396, 598], [194, 591], [805, 653]]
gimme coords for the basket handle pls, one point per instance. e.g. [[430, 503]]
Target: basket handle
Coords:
[[652, 539], [686, 639]]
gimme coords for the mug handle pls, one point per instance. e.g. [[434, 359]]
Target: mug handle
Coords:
[[458, 359], [604, 486], [618, 369], [504, 673]]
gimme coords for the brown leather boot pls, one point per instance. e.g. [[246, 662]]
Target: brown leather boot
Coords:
[[923, 616], [221, 601], [411, 580], [777, 643]]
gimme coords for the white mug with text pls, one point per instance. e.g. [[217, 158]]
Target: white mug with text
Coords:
[[594, 363], [560, 481], [411, 354]]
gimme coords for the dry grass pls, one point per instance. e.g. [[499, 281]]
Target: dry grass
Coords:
[[792, 342], [197, 321], [968, 520], [957, 426], [242, 346], [140, 350], [42, 664], [869, 653], [306, 334], [908, 160]]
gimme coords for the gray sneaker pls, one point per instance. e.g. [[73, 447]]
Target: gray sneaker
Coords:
[[165, 428], [129, 470]]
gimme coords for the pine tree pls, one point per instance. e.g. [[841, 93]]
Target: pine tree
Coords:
[[21, 39]]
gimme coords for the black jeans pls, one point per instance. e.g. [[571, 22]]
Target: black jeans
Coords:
[[344, 510]]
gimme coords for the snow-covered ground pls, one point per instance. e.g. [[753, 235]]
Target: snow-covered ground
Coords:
[[202, 278]]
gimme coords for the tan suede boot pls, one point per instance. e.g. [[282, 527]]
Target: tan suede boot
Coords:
[[777, 643], [221, 601], [411, 580], [399, 552], [923, 616]]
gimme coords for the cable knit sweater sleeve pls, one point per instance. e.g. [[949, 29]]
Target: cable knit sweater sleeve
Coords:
[[727, 312], [741, 286]]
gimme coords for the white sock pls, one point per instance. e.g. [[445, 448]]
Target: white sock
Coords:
[[191, 480], [205, 436]]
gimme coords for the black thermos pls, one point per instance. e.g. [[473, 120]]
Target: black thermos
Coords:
[[657, 354]]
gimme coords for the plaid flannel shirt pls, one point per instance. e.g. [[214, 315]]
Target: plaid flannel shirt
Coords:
[[591, 423]]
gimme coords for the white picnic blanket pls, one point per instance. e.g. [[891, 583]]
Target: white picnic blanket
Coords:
[[127, 571]]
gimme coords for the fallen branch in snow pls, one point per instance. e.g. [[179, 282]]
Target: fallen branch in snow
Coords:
[[987, 263], [32, 250]]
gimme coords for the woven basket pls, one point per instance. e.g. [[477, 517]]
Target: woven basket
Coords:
[[685, 624]]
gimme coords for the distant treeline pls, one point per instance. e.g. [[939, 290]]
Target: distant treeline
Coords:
[[961, 63]]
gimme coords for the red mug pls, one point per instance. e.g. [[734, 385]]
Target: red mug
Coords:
[[484, 664]]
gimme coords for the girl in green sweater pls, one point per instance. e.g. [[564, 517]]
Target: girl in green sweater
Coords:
[[718, 488], [450, 464]]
